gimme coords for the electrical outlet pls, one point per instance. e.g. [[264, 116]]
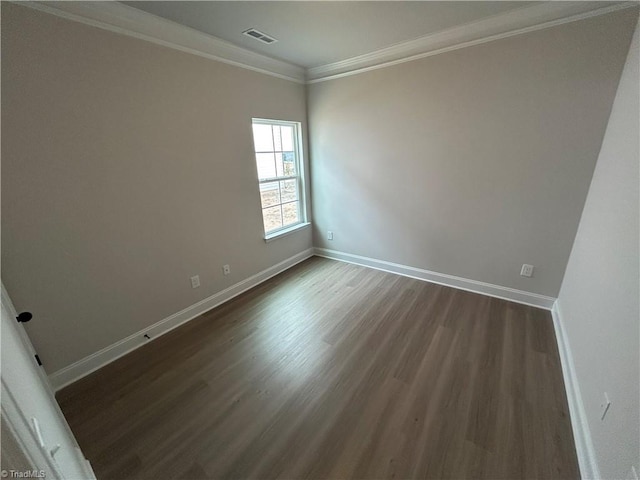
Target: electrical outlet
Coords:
[[226, 269], [604, 406], [329, 235], [195, 281], [527, 270]]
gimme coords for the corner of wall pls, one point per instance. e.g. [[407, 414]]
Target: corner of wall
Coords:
[[579, 424]]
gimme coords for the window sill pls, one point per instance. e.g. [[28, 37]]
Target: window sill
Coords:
[[286, 231]]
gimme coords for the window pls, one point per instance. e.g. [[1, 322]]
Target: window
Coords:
[[277, 145]]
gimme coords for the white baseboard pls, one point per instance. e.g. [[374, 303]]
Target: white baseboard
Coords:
[[581, 433], [93, 362], [505, 293]]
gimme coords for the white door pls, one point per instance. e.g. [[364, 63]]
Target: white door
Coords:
[[31, 411]]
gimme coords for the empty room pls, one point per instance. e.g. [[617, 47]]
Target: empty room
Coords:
[[320, 239]]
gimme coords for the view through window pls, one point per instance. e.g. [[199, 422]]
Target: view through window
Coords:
[[279, 174]]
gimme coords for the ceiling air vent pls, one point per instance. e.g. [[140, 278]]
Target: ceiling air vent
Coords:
[[258, 35]]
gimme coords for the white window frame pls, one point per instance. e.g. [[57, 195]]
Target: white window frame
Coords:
[[300, 177]]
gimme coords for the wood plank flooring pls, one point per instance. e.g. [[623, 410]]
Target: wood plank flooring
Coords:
[[332, 370]]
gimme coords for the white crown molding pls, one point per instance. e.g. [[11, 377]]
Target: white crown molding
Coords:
[[461, 283], [515, 22], [123, 19]]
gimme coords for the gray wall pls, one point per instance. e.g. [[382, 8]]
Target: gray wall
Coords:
[[127, 167], [472, 162], [599, 298]]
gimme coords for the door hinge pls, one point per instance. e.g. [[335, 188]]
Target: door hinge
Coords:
[[38, 360]]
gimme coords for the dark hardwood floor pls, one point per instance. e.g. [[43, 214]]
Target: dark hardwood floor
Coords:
[[331, 370]]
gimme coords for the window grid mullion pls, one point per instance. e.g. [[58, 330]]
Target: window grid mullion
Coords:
[[273, 144], [277, 179], [297, 159], [299, 191], [281, 203]]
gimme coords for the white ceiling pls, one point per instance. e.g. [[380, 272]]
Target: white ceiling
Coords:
[[314, 33]]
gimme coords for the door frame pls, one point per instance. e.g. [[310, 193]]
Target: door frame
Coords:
[[25, 436], [26, 341], [18, 424]]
